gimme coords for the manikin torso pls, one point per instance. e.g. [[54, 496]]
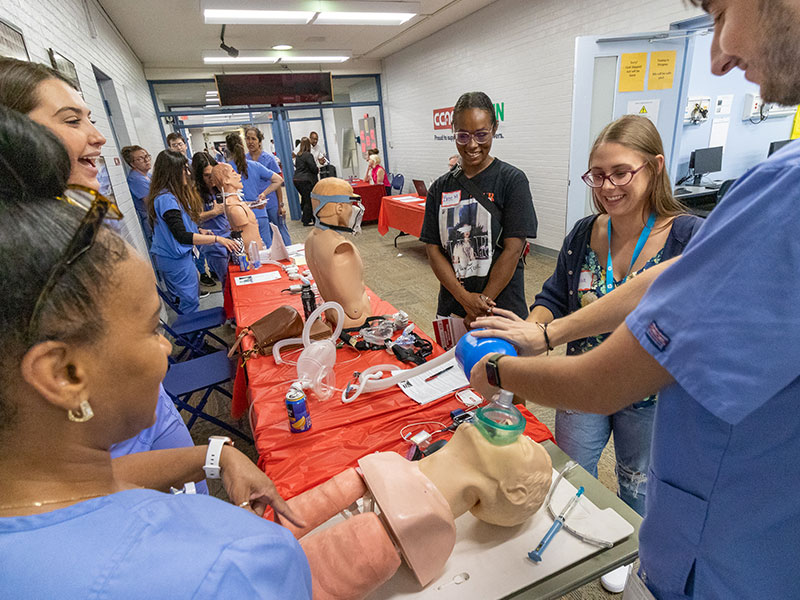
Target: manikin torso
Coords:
[[239, 215]]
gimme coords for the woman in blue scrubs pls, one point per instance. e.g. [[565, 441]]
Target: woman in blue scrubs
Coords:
[[173, 207], [277, 215], [213, 215], [259, 185]]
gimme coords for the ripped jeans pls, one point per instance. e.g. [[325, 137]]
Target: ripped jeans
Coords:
[[583, 436]]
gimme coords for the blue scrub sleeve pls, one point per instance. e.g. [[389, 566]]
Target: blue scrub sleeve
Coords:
[[724, 320]]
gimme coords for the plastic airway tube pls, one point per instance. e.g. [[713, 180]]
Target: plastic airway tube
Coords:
[[306, 339], [370, 381]]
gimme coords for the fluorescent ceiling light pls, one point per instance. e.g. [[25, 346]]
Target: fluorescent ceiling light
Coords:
[[257, 60], [362, 18], [212, 94], [314, 59], [223, 16], [282, 47]]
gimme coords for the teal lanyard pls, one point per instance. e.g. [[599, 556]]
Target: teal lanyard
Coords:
[[636, 252]]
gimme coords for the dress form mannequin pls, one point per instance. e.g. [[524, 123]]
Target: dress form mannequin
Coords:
[[333, 260], [419, 502], [239, 215]]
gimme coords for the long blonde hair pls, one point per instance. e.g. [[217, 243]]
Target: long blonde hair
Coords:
[[639, 134]]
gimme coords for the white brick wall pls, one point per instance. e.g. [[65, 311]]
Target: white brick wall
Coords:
[[521, 53], [62, 25]]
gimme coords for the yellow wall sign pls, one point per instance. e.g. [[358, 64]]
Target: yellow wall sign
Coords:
[[662, 70], [631, 72]]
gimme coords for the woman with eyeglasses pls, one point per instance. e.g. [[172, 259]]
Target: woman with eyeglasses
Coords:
[[82, 361], [212, 216], [639, 224], [174, 207], [492, 200], [275, 211], [259, 185]]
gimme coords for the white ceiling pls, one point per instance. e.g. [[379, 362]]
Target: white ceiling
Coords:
[[169, 36]]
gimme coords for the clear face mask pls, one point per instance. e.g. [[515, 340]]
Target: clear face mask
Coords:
[[357, 214]]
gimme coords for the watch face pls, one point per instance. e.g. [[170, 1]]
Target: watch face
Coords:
[[491, 372]]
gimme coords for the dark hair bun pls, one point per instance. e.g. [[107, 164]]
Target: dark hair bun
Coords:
[[32, 159]]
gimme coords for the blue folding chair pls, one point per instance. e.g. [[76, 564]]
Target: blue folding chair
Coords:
[[208, 373], [398, 181], [190, 330]]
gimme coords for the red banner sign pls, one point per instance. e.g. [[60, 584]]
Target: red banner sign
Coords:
[[443, 118]]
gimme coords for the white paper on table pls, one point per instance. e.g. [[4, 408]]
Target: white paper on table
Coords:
[[719, 132], [408, 199], [257, 278], [295, 249], [449, 381]]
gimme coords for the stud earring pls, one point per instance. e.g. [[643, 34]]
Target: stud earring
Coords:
[[83, 414]]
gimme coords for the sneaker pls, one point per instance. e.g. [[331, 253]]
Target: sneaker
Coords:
[[214, 276], [203, 294], [206, 280], [614, 581]]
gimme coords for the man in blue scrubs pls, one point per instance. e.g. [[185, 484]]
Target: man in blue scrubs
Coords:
[[716, 334], [138, 160]]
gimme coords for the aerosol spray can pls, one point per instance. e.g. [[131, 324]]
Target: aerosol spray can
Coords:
[[297, 408], [308, 297]]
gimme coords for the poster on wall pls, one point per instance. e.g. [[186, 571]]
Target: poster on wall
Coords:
[[12, 42], [368, 134], [645, 108], [64, 66], [631, 72], [662, 70]]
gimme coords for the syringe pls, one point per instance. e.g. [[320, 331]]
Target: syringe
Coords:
[[536, 554]]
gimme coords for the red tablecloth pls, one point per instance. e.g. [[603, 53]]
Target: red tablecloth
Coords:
[[340, 433], [371, 195], [403, 216]]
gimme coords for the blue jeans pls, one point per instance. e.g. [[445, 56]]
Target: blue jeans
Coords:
[[583, 436]]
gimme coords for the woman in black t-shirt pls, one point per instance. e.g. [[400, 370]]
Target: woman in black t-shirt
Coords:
[[475, 254]]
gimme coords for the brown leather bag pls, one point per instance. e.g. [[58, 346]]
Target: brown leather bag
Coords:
[[282, 323]]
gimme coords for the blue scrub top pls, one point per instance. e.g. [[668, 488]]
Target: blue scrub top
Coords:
[[219, 224], [258, 179], [723, 516], [146, 544], [139, 186], [164, 243], [268, 160]]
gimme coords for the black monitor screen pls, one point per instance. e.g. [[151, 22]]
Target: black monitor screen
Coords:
[[706, 160], [274, 88], [775, 146]]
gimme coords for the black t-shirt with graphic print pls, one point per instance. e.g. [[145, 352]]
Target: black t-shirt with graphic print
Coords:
[[464, 230]]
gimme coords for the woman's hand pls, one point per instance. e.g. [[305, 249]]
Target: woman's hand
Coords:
[[526, 336], [281, 210], [478, 380], [229, 244], [205, 231], [218, 209], [248, 487]]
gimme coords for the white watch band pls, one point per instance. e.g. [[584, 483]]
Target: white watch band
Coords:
[[215, 444]]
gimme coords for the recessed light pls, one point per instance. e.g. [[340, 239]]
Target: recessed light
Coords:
[[282, 47]]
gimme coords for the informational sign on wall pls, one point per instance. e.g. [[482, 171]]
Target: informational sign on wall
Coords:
[[443, 121], [644, 108], [631, 72], [662, 70]]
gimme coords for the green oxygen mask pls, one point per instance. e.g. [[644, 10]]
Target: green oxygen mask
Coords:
[[500, 421]]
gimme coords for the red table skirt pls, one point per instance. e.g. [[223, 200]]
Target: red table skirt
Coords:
[[403, 216], [371, 195]]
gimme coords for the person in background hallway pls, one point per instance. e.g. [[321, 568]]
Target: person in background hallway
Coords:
[[305, 178], [316, 150], [176, 142], [173, 207], [376, 174], [138, 160], [259, 185], [276, 212], [491, 273]]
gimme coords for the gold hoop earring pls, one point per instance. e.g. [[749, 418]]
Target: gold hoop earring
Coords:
[[83, 414]]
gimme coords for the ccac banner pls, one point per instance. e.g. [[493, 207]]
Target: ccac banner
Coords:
[[443, 121]]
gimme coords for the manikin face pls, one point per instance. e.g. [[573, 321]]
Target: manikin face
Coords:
[[124, 378], [253, 145], [141, 160], [619, 200], [224, 175], [760, 37], [474, 156], [62, 110], [178, 145], [313, 138]]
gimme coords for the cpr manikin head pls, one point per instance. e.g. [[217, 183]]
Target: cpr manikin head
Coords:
[[334, 261], [502, 485], [226, 178], [336, 206], [239, 215]]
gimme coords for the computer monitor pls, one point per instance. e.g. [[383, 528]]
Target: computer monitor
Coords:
[[705, 160], [419, 185], [775, 146]]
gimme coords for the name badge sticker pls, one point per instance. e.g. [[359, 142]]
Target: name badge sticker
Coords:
[[585, 281], [451, 198]]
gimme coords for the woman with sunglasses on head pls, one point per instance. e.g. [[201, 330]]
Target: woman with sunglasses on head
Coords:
[[259, 185], [174, 208], [81, 367], [212, 216], [492, 200], [639, 224]]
